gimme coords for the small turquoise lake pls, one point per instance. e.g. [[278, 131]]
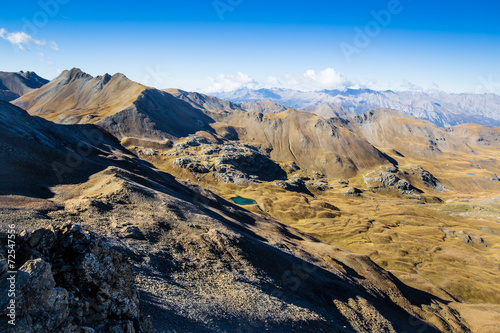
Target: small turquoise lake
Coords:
[[243, 201]]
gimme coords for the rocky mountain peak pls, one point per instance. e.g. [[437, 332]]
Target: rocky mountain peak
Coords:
[[73, 74]]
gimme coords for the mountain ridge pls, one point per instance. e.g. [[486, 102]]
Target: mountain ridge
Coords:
[[443, 109], [123, 107], [210, 103]]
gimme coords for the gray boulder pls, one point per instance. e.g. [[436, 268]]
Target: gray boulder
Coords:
[[352, 192], [294, 185]]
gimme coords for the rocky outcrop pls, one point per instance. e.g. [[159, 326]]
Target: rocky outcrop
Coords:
[[468, 237], [383, 180], [379, 179], [427, 178], [352, 192], [318, 185], [69, 280], [231, 162], [294, 185], [249, 160]]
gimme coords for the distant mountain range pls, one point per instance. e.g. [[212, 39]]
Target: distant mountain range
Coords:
[[443, 109], [205, 102]]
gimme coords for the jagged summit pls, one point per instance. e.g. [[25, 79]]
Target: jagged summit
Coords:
[[77, 97], [124, 107], [73, 74], [77, 74], [14, 85]]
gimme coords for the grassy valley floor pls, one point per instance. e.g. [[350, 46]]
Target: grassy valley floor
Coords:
[[447, 243]]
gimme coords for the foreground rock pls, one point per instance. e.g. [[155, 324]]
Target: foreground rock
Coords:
[[71, 281], [352, 192]]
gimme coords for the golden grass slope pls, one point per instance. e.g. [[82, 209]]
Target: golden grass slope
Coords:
[[446, 248], [477, 135], [407, 134], [313, 142]]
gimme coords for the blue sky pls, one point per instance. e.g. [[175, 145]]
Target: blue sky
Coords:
[[216, 45]]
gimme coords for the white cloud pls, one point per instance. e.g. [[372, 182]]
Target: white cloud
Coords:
[[407, 85], [272, 81], [366, 84], [326, 79], [54, 46], [310, 80], [23, 41], [44, 59], [224, 82], [20, 39]]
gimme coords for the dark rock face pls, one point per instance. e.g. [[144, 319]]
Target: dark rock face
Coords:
[[13, 85], [291, 167], [379, 179], [251, 161], [232, 163], [404, 186], [71, 281], [386, 180], [427, 178], [343, 182], [352, 192], [294, 185]]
